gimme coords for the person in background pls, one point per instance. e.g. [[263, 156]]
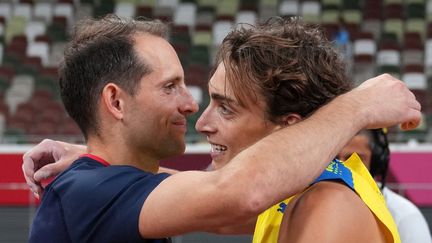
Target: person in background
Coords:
[[342, 40], [372, 147]]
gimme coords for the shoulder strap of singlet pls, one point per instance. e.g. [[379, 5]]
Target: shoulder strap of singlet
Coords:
[[336, 170]]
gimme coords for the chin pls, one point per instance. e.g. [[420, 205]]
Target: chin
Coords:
[[216, 165], [174, 150]]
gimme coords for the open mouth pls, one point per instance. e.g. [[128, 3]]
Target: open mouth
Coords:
[[218, 148]]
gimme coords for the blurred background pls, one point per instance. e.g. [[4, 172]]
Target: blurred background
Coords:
[[374, 37]]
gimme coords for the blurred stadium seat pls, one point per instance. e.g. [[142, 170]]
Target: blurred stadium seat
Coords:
[[392, 36]]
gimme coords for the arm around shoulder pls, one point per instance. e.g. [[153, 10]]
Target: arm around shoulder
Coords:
[[195, 201]]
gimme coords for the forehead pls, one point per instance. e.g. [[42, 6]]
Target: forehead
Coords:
[[158, 54], [221, 85]]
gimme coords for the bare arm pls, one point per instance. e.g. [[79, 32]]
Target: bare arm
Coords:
[[277, 166], [271, 170], [330, 212], [167, 170], [50, 158]]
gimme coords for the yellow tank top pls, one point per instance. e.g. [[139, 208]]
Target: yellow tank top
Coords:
[[355, 175]]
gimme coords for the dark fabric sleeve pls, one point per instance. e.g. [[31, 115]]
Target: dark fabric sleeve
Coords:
[[106, 207], [49, 225]]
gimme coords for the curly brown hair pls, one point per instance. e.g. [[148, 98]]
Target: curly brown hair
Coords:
[[287, 62]]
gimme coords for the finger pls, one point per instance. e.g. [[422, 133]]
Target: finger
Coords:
[[39, 192], [34, 187], [31, 184], [416, 105], [412, 123], [48, 171], [27, 166]]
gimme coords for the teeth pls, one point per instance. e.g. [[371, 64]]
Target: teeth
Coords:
[[218, 148]]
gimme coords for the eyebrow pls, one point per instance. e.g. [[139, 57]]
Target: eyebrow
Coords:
[[222, 98], [175, 78], [172, 79]]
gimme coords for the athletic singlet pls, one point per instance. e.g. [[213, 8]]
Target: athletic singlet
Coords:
[[355, 175]]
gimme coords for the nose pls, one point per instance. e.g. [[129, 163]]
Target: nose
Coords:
[[188, 105], [204, 124]]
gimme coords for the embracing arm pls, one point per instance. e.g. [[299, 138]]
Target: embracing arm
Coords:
[[277, 166], [274, 168], [49, 158], [38, 163]]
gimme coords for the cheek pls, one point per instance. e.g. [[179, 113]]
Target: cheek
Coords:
[[244, 138]]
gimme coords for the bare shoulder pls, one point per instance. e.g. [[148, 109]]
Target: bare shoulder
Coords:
[[330, 212]]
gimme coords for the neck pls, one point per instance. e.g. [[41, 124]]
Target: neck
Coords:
[[115, 152]]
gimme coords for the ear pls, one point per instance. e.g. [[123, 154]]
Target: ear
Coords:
[[291, 119], [112, 98]]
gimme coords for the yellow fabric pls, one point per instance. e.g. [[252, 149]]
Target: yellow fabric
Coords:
[[268, 223]]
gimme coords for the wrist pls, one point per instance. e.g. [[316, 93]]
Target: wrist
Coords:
[[350, 105]]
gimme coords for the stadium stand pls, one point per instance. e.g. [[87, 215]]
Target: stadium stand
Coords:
[[392, 36], [386, 36]]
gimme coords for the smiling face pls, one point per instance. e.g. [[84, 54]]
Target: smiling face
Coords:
[[269, 75], [155, 119], [230, 127]]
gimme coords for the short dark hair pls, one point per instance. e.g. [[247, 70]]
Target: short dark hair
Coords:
[[289, 63], [102, 51]]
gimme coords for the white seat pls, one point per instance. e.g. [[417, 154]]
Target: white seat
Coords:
[[33, 29], [185, 14], [311, 11], [23, 10], [220, 30], [43, 11], [39, 49], [388, 57], [289, 8], [310, 8], [196, 93], [429, 11], [415, 80], [6, 11], [428, 53], [22, 80], [64, 10], [364, 46], [19, 92], [413, 56], [168, 3], [246, 17], [125, 9], [56, 54]]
